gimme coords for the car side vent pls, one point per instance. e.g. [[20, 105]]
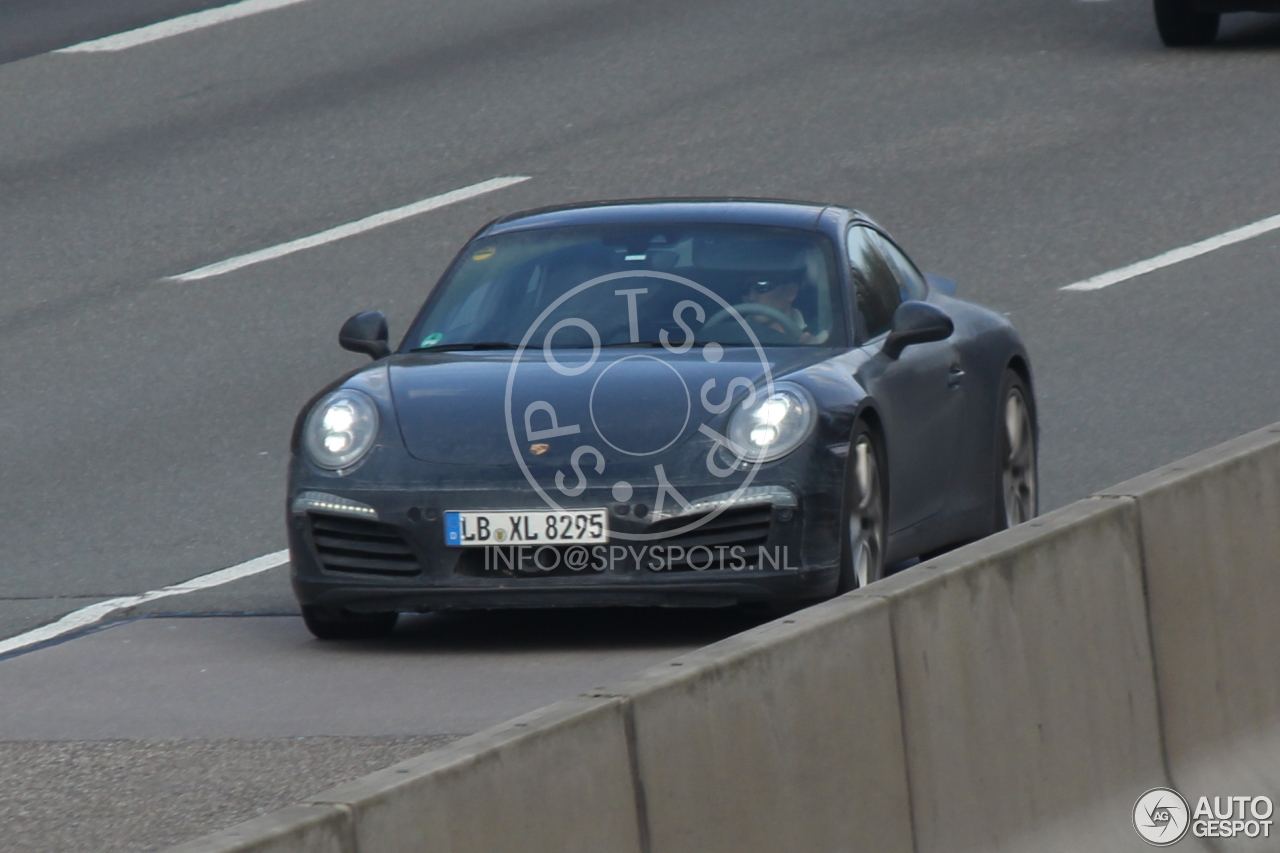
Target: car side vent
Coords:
[[357, 546]]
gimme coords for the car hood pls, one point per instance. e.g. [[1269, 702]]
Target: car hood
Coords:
[[632, 404]]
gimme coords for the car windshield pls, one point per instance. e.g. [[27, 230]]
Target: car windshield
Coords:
[[681, 284]]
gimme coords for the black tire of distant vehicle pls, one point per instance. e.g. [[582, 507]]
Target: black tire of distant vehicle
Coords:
[[1181, 24], [862, 543], [335, 623], [1016, 481]]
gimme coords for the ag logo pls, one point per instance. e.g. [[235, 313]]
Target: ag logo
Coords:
[[1161, 817]]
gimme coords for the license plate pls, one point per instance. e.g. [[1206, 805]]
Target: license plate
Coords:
[[518, 527]]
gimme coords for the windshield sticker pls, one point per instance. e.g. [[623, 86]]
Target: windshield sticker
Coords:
[[432, 339], [484, 254]]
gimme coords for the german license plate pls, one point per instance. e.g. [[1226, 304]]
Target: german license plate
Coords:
[[520, 527]]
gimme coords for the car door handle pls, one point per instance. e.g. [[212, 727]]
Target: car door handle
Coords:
[[956, 376]]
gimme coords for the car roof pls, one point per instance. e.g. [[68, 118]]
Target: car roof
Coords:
[[787, 214]]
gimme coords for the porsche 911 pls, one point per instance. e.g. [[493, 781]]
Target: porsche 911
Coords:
[[676, 403]]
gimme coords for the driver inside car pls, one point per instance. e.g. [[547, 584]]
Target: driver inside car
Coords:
[[780, 294]]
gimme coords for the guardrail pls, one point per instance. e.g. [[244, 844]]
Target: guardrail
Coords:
[[1015, 694]]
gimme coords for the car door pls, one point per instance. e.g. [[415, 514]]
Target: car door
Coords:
[[918, 393], [970, 465]]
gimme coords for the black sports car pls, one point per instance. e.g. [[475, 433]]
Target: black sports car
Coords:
[[675, 403]]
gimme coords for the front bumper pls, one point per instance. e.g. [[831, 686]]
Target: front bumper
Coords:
[[779, 543]]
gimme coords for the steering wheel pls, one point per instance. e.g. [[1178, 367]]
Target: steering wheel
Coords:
[[788, 324]]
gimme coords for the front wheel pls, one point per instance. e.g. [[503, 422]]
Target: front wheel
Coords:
[[863, 542], [1017, 497], [336, 623], [1181, 24]]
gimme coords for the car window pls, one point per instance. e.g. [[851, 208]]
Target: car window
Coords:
[[877, 290], [780, 279], [907, 274]]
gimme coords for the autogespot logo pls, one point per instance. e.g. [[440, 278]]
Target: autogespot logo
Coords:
[[624, 417], [1161, 817]]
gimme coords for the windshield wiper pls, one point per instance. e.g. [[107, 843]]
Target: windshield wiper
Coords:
[[673, 343], [474, 345], [496, 345]]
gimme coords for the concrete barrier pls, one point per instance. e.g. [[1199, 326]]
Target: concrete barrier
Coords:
[[293, 829], [555, 781], [558, 779], [1028, 695], [786, 737], [1211, 543], [1016, 694]]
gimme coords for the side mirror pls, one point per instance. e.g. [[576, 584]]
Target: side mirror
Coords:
[[366, 332], [916, 323]]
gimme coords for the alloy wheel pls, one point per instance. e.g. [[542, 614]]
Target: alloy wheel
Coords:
[[1019, 465], [866, 513]]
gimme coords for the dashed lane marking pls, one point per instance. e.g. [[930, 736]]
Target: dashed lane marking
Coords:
[[86, 617], [377, 220], [1177, 256], [177, 26]]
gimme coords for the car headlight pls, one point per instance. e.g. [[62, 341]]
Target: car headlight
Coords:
[[773, 426], [341, 429]]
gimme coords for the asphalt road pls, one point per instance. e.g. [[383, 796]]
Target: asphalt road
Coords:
[[1014, 146]]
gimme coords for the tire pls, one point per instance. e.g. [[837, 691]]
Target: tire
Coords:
[[863, 539], [1017, 480], [1181, 24], [335, 623]]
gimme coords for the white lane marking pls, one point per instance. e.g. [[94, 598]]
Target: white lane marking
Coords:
[[177, 26], [359, 226], [94, 613], [1177, 256]]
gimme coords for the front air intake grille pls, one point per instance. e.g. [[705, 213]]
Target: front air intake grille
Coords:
[[357, 546], [746, 528]]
